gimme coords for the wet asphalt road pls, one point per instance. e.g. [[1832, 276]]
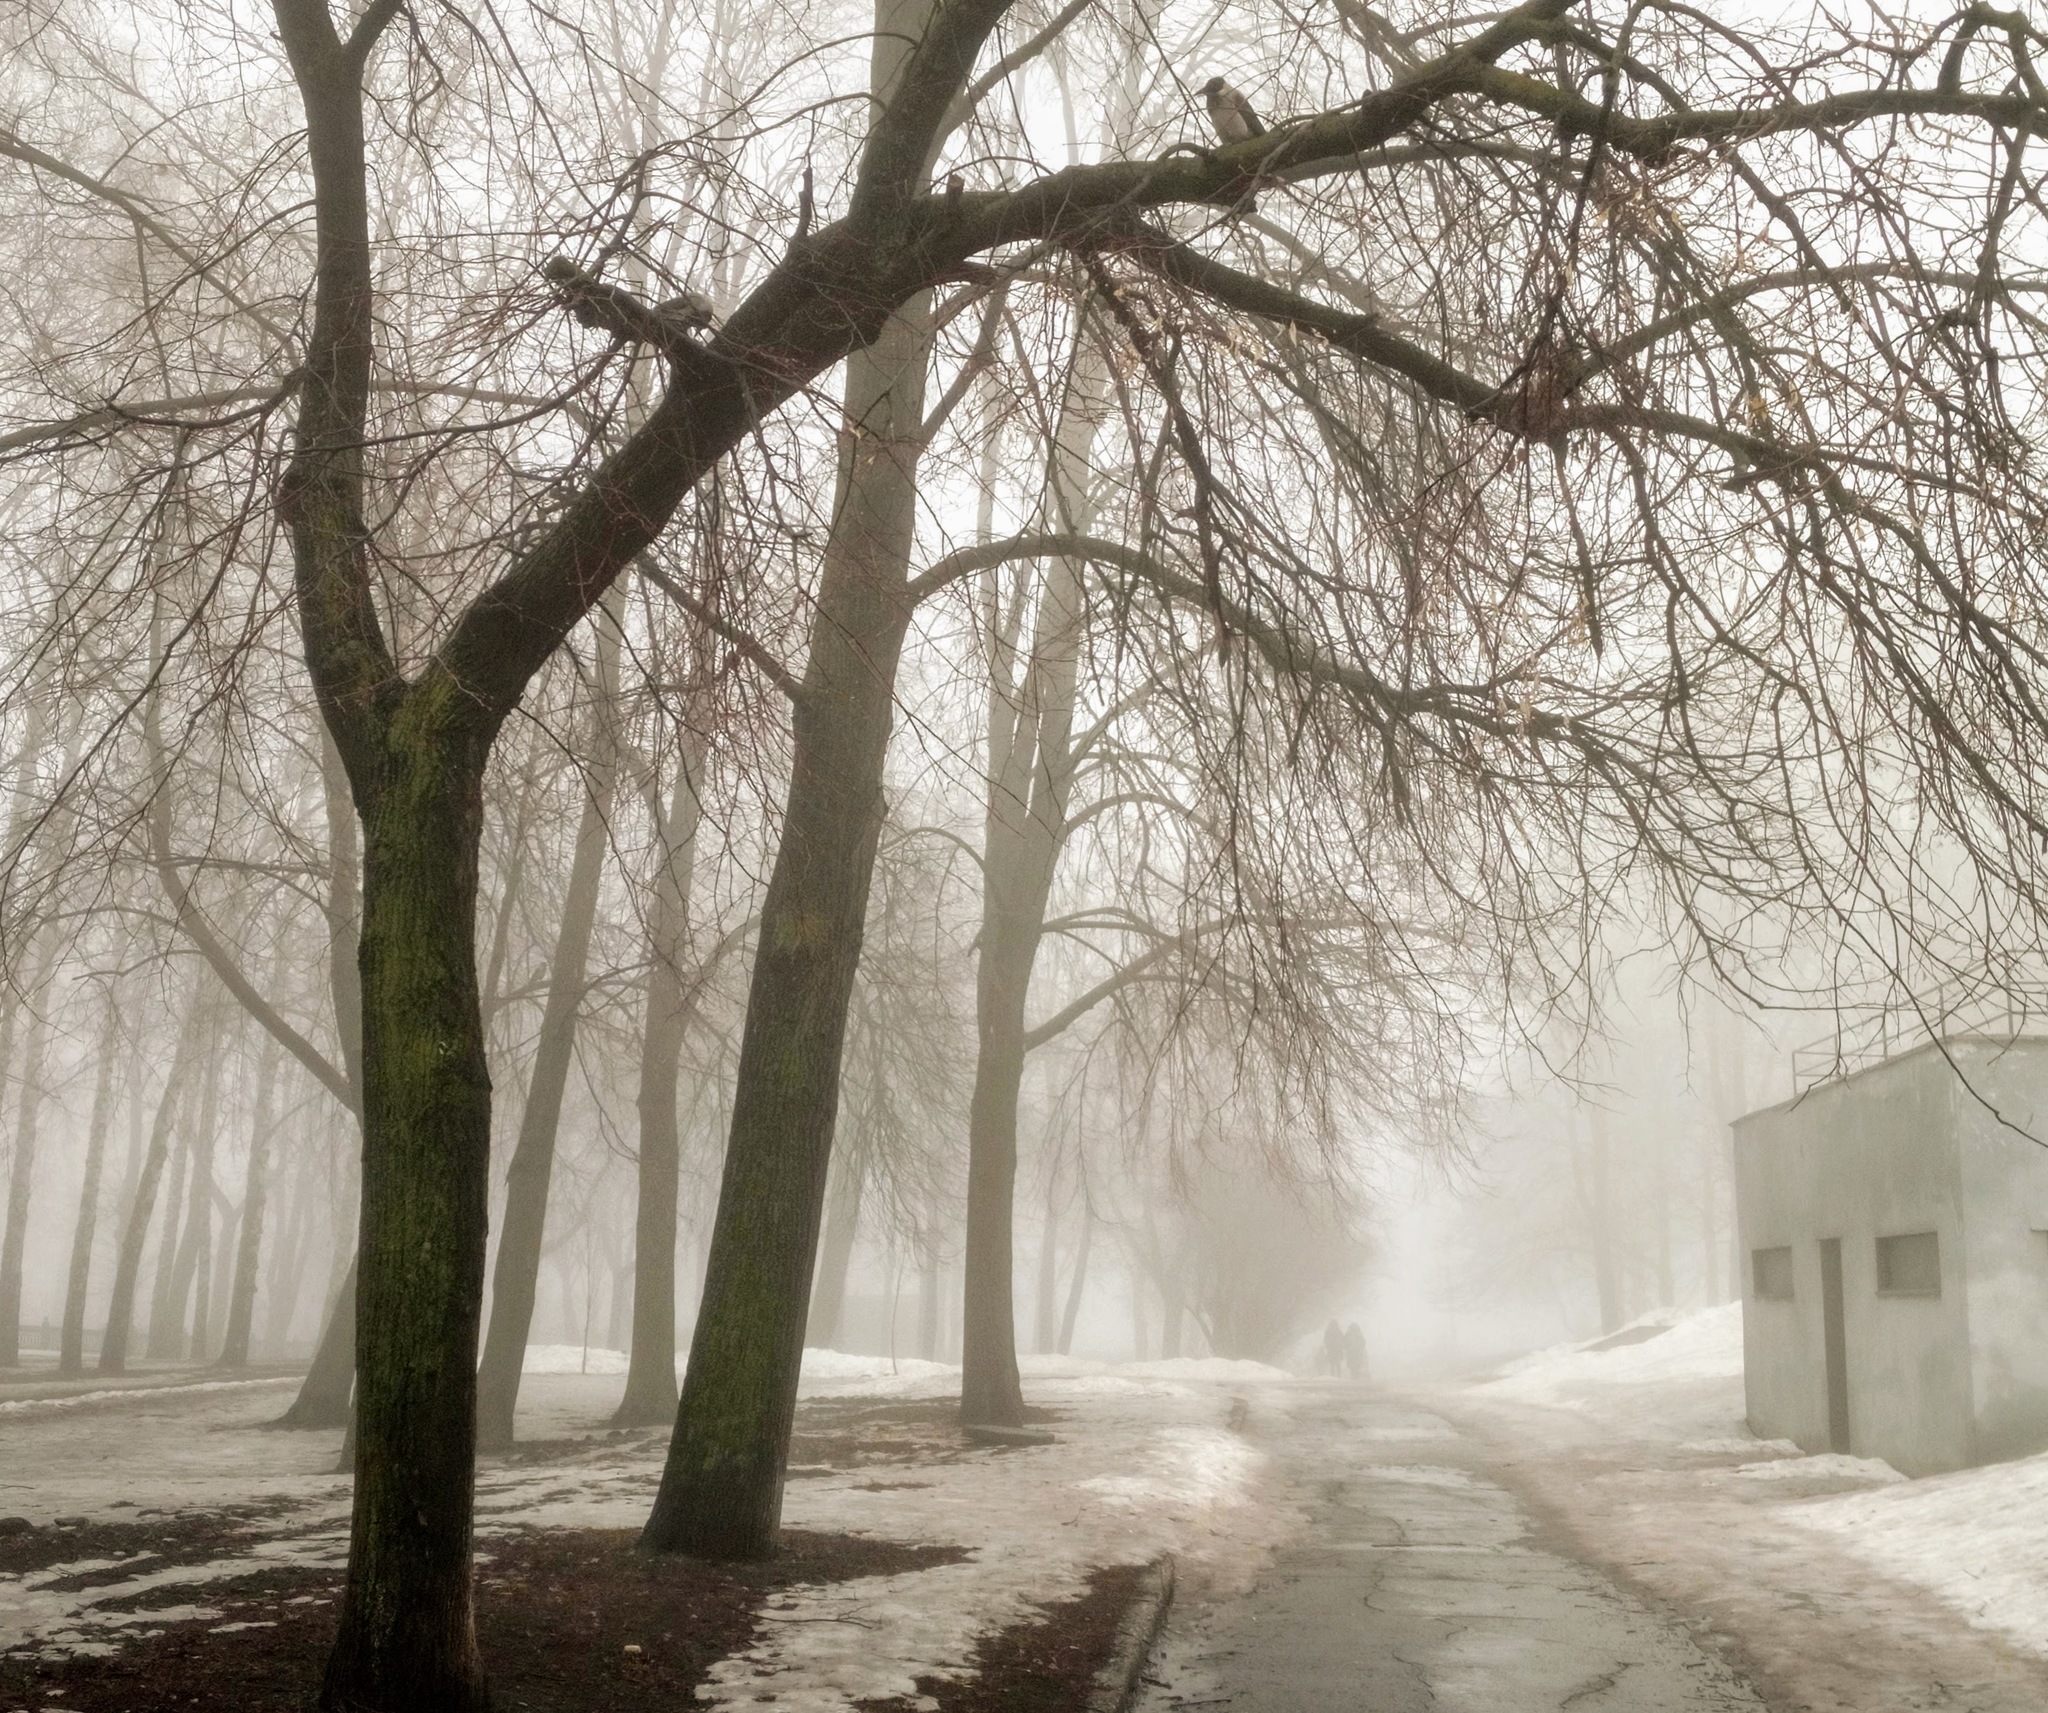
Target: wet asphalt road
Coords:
[[1421, 1586]]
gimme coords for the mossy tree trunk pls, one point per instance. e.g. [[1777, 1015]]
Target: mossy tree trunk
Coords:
[[721, 1490], [407, 1636]]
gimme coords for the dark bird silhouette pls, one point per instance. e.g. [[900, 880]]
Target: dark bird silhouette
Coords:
[[1231, 116]]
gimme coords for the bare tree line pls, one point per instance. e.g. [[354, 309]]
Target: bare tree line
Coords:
[[1295, 588]]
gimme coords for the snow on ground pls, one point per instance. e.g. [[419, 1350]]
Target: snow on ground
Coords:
[[1144, 1462], [573, 1359], [1977, 1539], [1665, 1375]]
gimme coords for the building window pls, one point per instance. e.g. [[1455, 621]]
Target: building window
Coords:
[[1909, 1266], [1771, 1269]]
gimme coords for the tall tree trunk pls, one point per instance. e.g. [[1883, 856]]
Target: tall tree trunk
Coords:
[[71, 1344], [1077, 1284], [323, 1396], [20, 1179], [1030, 772], [234, 1349], [167, 1313], [650, 1398], [721, 1489], [128, 1265], [283, 1278], [523, 1225], [407, 1635], [835, 1255], [202, 1273], [1607, 1280], [1046, 1320], [167, 1250], [930, 1290]]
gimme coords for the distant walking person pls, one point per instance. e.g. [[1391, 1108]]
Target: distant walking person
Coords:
[[1354, 1351], [1331, 1362]]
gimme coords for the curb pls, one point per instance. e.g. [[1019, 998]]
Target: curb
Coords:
[[1116, 1684]]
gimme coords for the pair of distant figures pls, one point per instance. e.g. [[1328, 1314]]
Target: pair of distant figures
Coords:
[[1343, 1352]]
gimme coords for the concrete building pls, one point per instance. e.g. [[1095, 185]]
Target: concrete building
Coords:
[[1894, 1225]]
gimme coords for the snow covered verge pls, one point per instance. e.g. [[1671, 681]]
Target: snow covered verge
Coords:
[[1145, 1461], [1976, 1539], [1666, 1375]]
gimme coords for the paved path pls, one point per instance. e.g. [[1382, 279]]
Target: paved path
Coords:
[[1421, 1586]]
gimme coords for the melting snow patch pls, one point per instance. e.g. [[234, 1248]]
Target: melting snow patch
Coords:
[[1825, 1466], [122, 1394], [1419, 1475], [1977, 1539]]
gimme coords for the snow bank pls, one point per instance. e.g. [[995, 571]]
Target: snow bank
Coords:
[[1671, 1377], [1823, 1466], [1977, 1539], [1702, 1346], [574, 1359]]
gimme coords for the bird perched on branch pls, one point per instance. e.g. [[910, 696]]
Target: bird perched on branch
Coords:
[[1231, 116]]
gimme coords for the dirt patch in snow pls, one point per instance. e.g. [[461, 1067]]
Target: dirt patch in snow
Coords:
[[835, 1434], [569, 1620], [1045, 1665], [151, 1541]]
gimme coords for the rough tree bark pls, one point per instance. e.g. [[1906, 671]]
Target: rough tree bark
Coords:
[[721, 1489], [522, 1224], [415, 749]]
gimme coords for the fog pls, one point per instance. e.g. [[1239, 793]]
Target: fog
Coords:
[[847, 851]]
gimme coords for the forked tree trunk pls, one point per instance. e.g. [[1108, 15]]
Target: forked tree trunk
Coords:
[[128, 1265], [650, 1398], [234, 1347], [721, 1489], [407, 1636], [523, 1225], [71, 1343], [1030, 770]]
